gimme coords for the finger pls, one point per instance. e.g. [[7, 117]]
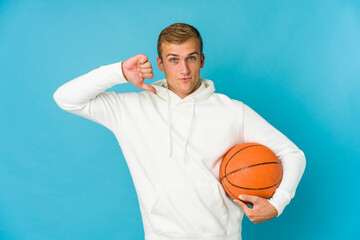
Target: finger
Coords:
[[147, 75], [146, 65], [248, 198], [142, 58], [146, 70], [243, 206]]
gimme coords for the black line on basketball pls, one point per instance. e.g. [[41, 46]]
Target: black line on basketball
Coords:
[[254, 165], [263, 188], [228, 191], [257, 145], [247, 188]]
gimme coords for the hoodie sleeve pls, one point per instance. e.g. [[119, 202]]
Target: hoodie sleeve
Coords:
[[85, 95], [257, 129]]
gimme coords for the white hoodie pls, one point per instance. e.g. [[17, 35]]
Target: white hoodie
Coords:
[[174, 147]]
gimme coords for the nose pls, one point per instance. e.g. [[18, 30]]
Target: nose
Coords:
[[184, 68]]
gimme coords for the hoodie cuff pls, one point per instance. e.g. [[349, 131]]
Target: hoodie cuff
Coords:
[[117, 69], [280, 200]]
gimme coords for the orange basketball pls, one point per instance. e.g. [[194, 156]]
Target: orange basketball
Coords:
[[250, 168]]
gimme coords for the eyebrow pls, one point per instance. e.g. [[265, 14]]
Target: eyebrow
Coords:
[[175, 55]]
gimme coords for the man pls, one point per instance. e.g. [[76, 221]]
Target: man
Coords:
[[174, 136]]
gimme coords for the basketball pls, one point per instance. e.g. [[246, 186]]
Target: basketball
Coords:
[[250, 168]]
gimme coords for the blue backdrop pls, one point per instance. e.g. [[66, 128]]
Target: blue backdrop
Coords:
[[294, 62]]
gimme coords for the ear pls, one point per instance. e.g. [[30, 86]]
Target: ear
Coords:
[[202, 60], [160, 64]]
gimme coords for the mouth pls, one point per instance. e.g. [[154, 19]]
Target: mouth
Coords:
[[185, 79]]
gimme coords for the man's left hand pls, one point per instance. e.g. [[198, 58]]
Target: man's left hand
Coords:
[[261, 211]]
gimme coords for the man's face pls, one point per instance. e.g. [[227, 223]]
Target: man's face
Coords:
[[181, 64]]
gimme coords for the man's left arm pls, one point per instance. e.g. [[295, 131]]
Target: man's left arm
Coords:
[[256, 129]]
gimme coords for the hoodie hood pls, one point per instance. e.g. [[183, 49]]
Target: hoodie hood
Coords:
[[205, 90]]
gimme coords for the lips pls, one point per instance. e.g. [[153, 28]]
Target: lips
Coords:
[[185, 79]]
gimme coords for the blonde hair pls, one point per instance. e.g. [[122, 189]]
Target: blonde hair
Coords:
[[178, 33]]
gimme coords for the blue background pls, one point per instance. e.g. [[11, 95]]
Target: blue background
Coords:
[[294, 62]]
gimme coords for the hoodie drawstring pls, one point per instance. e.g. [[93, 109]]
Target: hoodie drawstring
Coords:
[[189, 129], [188, 133]]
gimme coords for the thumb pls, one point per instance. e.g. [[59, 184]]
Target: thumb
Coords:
[[148, 87]]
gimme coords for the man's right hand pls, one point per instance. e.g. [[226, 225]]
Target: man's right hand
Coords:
[[136, 69]]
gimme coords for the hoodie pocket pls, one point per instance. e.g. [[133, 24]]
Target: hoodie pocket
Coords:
[[189, 210]]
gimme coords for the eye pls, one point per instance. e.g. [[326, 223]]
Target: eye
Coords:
[[173, 60], [192, 58]]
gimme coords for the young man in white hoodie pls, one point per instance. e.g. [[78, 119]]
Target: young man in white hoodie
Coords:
[[174, 136]]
